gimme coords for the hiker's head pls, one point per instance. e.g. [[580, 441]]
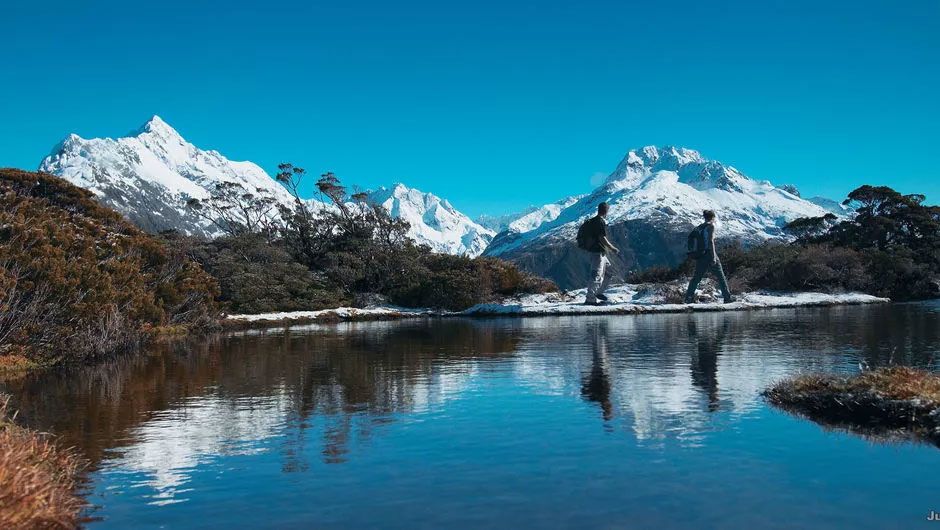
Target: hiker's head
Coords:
[[709, 215], [602, 209]]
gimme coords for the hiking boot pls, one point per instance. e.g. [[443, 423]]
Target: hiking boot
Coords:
[[596, 302], [602, 297], [731, 300]]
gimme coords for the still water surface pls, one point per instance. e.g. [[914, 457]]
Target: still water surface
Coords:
[[566, 421]]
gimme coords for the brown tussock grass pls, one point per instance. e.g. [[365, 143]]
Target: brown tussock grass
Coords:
[[37, 478], [895, 383], [898, 399]]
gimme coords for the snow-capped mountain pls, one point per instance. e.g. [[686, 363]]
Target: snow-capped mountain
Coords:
[[434, 222], [149, 175], [655, 196], [528, 219], [835, 207]]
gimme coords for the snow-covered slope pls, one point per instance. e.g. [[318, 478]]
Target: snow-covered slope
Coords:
[[656, 194], [528, 219], [835, 207], [434, 222], [149, 175]]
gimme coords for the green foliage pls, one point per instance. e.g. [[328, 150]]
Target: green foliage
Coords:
[[660, 274], [236, 211], [352, 248], [891, 248], [78, 281], [457, 282], [256, 276]]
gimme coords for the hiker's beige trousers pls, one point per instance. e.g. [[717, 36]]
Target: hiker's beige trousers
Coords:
[[601, 276]]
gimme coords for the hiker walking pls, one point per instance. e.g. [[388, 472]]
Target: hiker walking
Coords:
[[592, 237], [702, 249]]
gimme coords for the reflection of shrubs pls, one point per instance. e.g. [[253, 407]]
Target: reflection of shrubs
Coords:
[[77, 279]]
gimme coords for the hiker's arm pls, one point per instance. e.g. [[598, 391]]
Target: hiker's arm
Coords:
[[711, 243], [605, 243]]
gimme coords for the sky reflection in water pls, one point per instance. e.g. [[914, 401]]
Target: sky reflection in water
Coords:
[[588, 421]]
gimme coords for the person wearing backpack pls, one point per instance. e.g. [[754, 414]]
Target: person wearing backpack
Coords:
[[702, 249], [592, 237]]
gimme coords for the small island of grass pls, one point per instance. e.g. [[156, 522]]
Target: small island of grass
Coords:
[[887, 403]]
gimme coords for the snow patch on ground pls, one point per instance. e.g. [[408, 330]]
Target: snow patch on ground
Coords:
[[629, 298], [342, 313], [626, 298]]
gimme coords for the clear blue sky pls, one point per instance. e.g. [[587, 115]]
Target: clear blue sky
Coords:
[[493, 104]]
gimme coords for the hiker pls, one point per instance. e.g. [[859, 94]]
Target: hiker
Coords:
[[592, 237], [702, 249]]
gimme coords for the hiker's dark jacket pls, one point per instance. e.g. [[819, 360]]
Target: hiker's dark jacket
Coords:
[[596, 231]]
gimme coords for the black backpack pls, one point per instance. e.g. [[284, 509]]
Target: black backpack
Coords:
[[696, 244], [585, 241]]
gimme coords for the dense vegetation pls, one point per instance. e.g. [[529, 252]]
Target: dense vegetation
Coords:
[[350, 252], [890, 248], [79, 281]]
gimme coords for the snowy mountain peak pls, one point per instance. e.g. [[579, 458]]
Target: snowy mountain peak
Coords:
[[688, 165], [433, 221], [157, 127], [151, 173], [528, 219], [666, 189]]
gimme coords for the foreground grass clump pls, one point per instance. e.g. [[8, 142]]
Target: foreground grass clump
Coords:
[[902, 399], [37, 478]]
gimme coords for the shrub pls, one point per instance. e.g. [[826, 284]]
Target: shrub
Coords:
[[77, 280], [458, 282], [258, 276]]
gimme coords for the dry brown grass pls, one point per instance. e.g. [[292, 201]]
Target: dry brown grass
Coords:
[[888, 400], [37, 478], [896, 383]]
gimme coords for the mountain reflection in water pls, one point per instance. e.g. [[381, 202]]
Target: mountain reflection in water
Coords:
[[320, 395]]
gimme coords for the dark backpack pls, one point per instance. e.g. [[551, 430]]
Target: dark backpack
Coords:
[[585, 240], [696, 244]]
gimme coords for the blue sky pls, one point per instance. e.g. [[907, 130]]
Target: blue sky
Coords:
[[495, 105]]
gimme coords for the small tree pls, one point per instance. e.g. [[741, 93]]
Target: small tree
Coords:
[[807, 227], [237, 211]]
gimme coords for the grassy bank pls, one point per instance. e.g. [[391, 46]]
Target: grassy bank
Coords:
[[37, 478], [893, 402], [78, 282]]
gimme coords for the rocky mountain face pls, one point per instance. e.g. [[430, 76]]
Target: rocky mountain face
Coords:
[[655, 195], [434, 222]]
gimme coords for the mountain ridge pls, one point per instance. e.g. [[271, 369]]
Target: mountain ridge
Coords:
[[655, 194]]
